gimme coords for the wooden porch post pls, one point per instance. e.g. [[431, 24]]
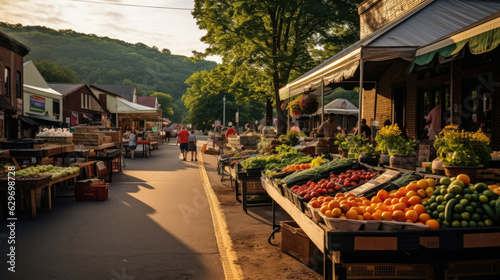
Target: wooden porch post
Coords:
[[360, 116]]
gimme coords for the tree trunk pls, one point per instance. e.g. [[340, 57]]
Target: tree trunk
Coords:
[[269, 112], [281, 116]]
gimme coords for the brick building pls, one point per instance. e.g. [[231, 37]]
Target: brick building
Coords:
[[11, 89], [414, 55]]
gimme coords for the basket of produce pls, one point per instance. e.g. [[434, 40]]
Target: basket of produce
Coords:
[[32, 180]]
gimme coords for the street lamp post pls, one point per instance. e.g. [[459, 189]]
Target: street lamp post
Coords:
[[224, 111]]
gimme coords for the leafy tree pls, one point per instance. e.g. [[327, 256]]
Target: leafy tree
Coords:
[[54, 73], [166, 103], [205, 99], [271, 39]]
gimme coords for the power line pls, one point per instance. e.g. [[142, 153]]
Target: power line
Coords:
[[132, 5]]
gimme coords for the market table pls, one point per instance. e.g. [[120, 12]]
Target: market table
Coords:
[[108, 159], [32, 186], [84, 167], [59, 180], [146, 145], [415, 254]]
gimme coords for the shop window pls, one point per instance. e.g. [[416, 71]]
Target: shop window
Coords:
[[477, 102], [428, 99], [55, 107], [6, 78], [19, 85]]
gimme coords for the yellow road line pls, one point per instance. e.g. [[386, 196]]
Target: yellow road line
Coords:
[[226, 252]]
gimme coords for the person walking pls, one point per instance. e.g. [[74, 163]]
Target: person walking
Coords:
[[192, 140], [230, 130], [132, 142], [182, 140], [168, 133]]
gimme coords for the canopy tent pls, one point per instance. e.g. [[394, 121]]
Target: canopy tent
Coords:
[[129, 110], [397, 40], [340, 106]]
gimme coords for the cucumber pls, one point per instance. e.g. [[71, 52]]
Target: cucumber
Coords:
[[448, 212], [487, 208], [497, 209]]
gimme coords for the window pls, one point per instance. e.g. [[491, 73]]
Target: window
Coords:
[[6, 77], [55, 107], [19, 85], [428, 99]]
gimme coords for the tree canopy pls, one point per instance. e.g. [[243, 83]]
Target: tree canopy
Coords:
[[54, 73], [270, 42], [102, 60]]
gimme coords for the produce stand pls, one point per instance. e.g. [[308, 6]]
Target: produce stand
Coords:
[[108, 157], [396, 253], [250, 185]]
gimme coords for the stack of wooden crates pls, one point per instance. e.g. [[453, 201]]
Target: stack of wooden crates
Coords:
[[91, 136]]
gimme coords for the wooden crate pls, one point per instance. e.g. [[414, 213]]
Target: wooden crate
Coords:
[[89, 139], [116, 136], [56, 139], [86, 129]]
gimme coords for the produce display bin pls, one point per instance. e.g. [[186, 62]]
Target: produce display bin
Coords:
[[297, 244], [92, 192], [388, 271]]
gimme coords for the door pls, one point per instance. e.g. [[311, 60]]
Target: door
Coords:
[[398, 104]]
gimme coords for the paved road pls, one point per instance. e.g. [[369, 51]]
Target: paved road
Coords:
[[156, 224]]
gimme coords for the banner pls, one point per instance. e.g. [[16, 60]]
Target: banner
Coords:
[[37, 104]]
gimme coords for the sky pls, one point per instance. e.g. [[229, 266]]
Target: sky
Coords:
[[174, 29]]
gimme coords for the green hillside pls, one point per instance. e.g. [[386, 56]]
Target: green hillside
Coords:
[[102, 60]]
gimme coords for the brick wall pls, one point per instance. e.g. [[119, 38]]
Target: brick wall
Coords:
[[374, 14], [368, 104]]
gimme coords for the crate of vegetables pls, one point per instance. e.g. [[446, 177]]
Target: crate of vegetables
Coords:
[[351, 179]]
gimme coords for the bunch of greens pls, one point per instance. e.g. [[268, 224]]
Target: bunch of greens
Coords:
[[368, 150], [291, 138], [461, 148], [403, 147]]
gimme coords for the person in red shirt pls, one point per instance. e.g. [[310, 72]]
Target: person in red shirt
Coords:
[[230, 131], [182, 139]]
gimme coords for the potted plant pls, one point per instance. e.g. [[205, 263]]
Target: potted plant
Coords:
[[343, 144], [369, 155], [356, 145], [403, 153], [386, 139], [462, 152]]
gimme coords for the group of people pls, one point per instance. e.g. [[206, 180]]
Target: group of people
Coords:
[[187, 142], [330, 129]]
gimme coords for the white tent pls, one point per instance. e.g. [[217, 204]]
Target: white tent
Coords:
[[340, 106]]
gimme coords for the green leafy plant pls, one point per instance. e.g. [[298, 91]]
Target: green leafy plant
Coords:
[[369, 150], [387, 137], [461, 148], [403, 147]]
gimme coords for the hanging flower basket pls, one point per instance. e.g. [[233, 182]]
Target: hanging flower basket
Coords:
[[294, 108], [308, 104]]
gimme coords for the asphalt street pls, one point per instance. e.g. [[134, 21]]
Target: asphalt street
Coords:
[[156, 224]]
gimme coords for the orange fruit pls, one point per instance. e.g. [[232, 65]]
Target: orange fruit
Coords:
[[352, 214], [342, 217], [399, 206], [388, 201], [323, 209], [431, 182], [377, 216], [390, 208], [328, 213], [382, 207], [414, 200], [432, 223], [339, 194], [419, 208], [350, 195], [383, 194], [367, 202], [398, 195], [387, 216], [424, 217], [411, 194], [394, 201], [392, 194], [333, 204], [321, 199], [370, 209], [376, 199], [398, 215], [412, 186], [328, 198], [422, 193], [412, 215], [336, 212], [464, 178], [422, 184], [367, 215], [344, 207], [360, 212], [404, 200], [403, 191], [408, 221], [360, 217], [420, 223]]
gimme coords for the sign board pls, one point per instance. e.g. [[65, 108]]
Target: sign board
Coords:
[[37, 104], [237, 117], [155, 129], [424, 153]]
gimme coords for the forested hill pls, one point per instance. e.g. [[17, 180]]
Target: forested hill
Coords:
[[102, 60]]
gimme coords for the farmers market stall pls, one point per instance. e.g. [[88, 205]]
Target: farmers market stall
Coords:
[[392, 225]]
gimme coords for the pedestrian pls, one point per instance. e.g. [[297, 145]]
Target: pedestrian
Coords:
[[328, 127], [364, 131], [434, 122], [182, 140], [192, 140], [132, 142], [168, 133], [230, 131]]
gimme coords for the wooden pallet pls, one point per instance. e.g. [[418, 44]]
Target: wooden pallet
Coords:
[[92, 139]]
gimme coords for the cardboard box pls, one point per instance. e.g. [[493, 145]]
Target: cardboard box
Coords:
[[297, 244]]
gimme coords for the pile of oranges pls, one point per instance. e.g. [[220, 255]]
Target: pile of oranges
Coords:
[[402, 205], [295, 167]]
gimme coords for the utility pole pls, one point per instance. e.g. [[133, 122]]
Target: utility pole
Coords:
[[224, 111]]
